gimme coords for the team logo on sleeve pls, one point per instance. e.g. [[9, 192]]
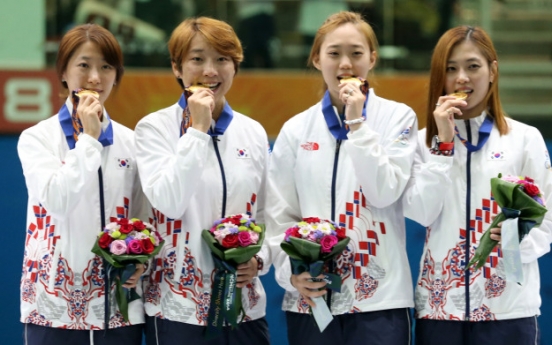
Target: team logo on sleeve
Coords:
[[242, 153], [124, 163], [547, 160], [497, 155], [403, 137]]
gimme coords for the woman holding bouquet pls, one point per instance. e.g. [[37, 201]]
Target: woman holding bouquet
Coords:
[[466, 143], [348, 159], [80, 173], [200, 161]]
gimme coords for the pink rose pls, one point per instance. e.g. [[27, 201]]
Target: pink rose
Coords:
[[245, 238], [327, 243], [220, 235], [118, 247], [510, 178], [134, 247], [254, 237]]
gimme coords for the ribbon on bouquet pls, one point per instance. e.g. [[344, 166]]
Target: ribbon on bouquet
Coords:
[[332, 280], [511, 228], [123, 296], [226, 303], [321, 312]]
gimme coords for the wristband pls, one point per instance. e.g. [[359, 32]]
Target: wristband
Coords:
[[440, 148], [446, 146], [354, 122], [260, 263]]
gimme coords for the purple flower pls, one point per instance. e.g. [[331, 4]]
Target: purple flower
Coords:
[[318, 234], [539, 200]]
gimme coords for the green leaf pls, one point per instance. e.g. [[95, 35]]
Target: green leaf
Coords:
[[212, 243], [309, 251], [486, 245], [121, 299], [290, 250]]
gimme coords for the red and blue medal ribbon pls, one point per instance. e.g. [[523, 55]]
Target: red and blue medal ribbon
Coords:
[[484, 132], [222, 124], [334, 125], [72, 126]]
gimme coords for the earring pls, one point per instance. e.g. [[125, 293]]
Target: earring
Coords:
[[114, 84], [63, 80]]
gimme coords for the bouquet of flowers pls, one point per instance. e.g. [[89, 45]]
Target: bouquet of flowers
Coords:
[[309, 244], [123, 244], [233, 240], [519, 198]]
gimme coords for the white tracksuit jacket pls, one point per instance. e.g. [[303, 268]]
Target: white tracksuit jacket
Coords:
[[371, 172], [182, 178], [62, 284], [437, 197]]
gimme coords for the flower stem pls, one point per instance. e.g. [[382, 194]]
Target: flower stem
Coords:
[[486, 245]]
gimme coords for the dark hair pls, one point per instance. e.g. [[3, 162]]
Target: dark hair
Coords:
[[78, 35]]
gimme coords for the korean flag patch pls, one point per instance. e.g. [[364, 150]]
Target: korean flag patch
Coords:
[[124, 163], [242, 153], [496, 155]]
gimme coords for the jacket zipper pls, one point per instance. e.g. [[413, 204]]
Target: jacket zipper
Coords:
[[468, 216], [334, 182], [215, 140], [107, 287], [334, 176], [102, 202]]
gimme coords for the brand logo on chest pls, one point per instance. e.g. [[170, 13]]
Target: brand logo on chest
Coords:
[[310, 146]]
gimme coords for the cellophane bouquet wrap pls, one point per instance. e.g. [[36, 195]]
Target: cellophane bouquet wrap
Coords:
[[310, 244], [233, 240], [518, 197], [123, 244]]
